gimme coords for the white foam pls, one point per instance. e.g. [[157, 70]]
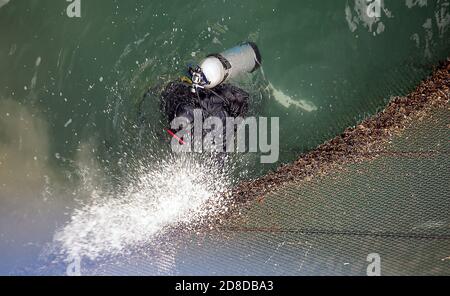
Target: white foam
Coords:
[[287, 101], [171, 192], [68, 122]]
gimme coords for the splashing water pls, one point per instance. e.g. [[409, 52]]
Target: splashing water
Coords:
[[179, 190]]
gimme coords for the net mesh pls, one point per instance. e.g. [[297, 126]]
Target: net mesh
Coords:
[[381, 187], [396, 205]]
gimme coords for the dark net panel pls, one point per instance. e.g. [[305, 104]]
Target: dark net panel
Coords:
[[397, 205]]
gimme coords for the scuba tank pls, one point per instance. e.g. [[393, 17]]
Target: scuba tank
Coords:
[[207, 89], [215, 69]]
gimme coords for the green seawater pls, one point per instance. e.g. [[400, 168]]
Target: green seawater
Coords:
[[71, 88]]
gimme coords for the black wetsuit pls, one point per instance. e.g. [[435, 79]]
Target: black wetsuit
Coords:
[[223, 101]]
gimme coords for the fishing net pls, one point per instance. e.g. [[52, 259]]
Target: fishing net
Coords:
[[381, 188]]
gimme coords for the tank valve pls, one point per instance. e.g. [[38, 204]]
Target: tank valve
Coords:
[[198, 78]]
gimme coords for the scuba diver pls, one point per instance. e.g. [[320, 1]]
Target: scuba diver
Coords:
[[205, 88]]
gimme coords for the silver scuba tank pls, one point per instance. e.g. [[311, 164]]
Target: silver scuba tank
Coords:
[[215, 69]]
